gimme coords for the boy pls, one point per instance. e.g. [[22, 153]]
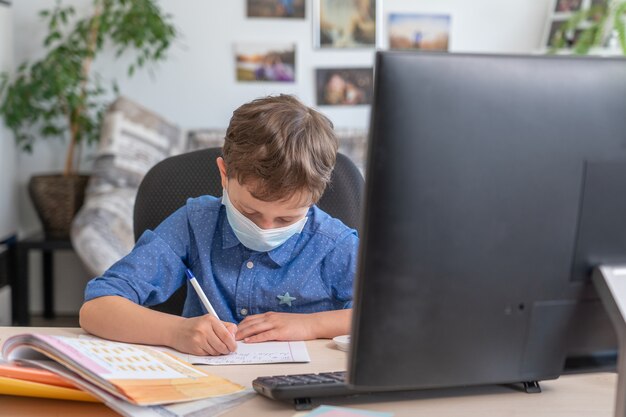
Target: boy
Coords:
[[264, 254]]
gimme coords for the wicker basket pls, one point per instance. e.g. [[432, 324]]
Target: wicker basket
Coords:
[[57, 199]]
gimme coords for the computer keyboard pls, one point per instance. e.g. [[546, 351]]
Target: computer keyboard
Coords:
[[302, 387]]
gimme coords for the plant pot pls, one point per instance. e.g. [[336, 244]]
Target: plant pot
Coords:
[[57, 199]]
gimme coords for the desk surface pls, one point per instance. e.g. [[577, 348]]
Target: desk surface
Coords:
[[590, 395]]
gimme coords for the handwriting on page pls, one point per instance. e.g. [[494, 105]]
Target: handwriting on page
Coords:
[[250, 357], [249, 353]]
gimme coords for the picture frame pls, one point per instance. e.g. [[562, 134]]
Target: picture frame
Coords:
[[341, 24], [277, 9], [265, 62], [571, 36], [419, 31], [567, 5], [561, 11], [344, 86]]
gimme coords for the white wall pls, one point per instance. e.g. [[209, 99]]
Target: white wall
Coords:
[[8, 208], [487, 26], [196, 87]]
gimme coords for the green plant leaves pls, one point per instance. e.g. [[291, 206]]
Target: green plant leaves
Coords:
[[618, 24], [60, 95], [588, 28]]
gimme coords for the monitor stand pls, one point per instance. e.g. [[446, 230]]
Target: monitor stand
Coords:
[[610, 282]]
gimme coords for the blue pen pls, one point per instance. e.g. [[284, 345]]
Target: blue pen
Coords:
[[205, 301]]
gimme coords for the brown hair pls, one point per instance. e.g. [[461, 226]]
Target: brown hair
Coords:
[[280, 146]]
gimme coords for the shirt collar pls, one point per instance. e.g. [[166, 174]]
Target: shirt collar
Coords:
[[229, 239], [283, 254]]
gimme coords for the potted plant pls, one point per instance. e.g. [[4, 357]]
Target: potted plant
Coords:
[[61, 96], [598, 29]]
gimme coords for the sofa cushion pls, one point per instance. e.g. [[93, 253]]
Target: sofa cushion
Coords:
[[132, 140]]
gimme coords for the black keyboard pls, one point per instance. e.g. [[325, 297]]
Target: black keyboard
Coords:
[[302, 387]]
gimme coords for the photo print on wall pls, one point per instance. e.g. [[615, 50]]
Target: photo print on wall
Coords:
[[344, 23], [288, 9], [344, 86], [567, 6], [419, 31], [267, 62]]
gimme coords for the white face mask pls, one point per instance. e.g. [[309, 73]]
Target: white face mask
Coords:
[[252, 236]]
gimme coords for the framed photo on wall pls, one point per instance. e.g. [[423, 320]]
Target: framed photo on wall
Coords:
[[555, 33], [343, 86], [561, 11], [419, 31], [288, 9], [567, 5], [345, 23], [265, 62]]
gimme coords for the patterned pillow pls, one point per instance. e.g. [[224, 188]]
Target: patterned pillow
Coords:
[[102, 231], [205, 138], [132, 140], [353, 144]]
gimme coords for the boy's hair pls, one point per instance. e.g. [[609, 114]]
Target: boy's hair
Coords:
[[280, 147]]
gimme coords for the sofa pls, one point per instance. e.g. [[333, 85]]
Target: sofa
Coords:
[[133, 139]]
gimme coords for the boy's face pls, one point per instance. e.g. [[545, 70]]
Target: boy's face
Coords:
[[265, 214]]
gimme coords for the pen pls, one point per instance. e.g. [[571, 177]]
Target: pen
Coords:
[[205, 301]]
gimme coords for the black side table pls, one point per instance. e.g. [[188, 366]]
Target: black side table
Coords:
[[19, 284]]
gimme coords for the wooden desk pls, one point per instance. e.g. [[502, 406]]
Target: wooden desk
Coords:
[[590, 395]]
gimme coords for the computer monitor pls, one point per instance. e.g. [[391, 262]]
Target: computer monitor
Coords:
[[494, 185]]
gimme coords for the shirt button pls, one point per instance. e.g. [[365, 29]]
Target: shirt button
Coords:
[[250, 264], [243, 311]]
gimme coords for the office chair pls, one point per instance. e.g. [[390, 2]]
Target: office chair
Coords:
[[168, 185]]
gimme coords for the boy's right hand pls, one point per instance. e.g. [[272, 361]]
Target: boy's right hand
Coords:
[[204, 335]]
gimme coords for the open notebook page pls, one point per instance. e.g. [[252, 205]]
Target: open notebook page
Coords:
[[253, 353]]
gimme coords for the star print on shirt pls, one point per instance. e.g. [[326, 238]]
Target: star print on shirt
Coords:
[[285, 299]]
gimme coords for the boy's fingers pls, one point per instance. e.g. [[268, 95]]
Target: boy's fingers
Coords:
[[226, 339], [231, 343], [261, 337], [251, 319], [224, 335], [216, 343], [243, 327], [231, 327], [253, 329], [208, 350]]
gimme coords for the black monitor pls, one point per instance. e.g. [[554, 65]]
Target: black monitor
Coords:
[[494, 186]]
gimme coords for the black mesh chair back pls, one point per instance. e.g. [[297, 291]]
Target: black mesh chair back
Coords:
[[167, 186]]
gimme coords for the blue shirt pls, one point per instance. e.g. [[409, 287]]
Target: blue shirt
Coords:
[[312, 271]]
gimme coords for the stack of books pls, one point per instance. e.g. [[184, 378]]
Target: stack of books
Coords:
[[133, 380]]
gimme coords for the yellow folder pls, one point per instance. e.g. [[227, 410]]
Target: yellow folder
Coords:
[[10, 386]]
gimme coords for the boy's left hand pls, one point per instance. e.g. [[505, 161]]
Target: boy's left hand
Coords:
[[276, 326]]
